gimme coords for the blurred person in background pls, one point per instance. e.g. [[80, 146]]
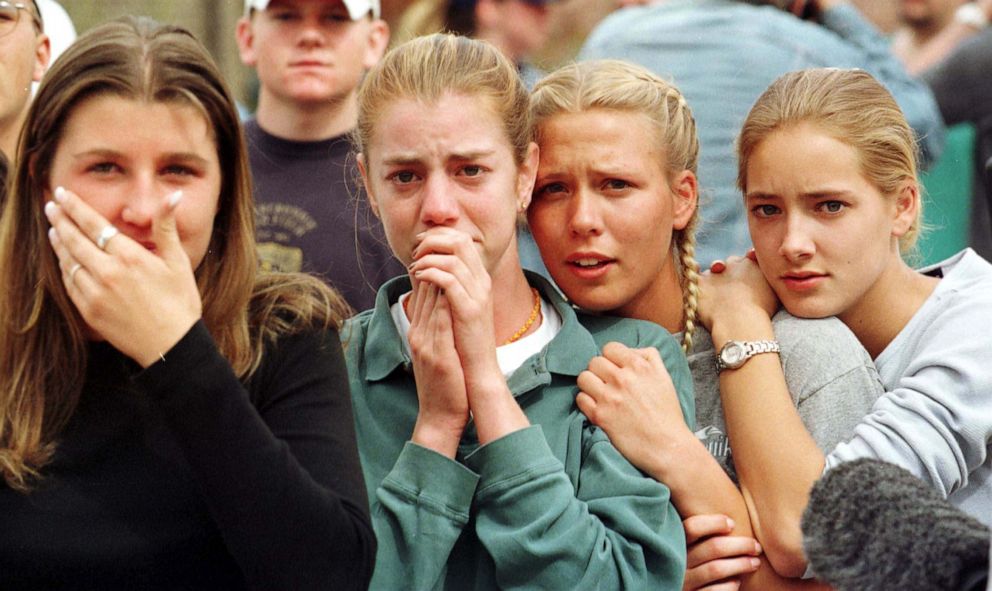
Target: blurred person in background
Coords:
[[311, 216], [931, 29], [58, 26], [518, 28], [24, 54], [962, 85]]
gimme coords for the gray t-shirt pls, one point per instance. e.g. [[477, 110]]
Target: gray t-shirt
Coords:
[[830, 376]]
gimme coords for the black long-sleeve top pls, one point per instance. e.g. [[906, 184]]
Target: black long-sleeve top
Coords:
[[182, 477]]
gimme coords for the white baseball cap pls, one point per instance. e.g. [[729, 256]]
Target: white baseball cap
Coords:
[[356, 8]]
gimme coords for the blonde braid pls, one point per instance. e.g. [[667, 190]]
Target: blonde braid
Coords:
[[685, 247], [683, 149]]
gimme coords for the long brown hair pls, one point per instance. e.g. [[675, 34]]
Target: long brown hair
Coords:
[[43, 348]]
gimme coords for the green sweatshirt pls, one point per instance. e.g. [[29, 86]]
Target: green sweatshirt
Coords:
[[552, 506]]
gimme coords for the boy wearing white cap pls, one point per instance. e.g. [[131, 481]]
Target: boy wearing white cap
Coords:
[[310, 56]]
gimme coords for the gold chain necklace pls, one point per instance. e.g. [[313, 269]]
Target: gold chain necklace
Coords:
[[534, 314]]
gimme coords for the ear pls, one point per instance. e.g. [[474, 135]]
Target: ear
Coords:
[[368, 188], [245, 36], [907, 206], [526, 175], [42, 53], [685, 198], [378, 40]]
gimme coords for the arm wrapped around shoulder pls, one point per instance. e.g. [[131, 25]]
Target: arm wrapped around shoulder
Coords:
[[871, 525]]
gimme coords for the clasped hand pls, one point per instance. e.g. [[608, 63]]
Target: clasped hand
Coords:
[[452, 339]]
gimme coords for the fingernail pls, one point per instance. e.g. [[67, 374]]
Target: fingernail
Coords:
[[60, 195], [730, 523], [755, 563], [52, 235], [50, 209], [174, 199], [757, 548]]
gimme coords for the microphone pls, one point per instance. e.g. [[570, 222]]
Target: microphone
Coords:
[[873, 526]]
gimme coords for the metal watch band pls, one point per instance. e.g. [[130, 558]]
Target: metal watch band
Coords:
[[755, 347], [738, 352]]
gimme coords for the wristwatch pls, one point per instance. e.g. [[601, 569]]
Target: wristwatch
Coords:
[[972, 15], [734, 354]]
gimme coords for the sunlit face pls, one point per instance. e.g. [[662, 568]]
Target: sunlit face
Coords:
[[124, 156], [824, 235], [604, 211], [309, 51], [447, 164]]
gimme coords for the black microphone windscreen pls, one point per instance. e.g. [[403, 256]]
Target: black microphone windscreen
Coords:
[[872, 526]]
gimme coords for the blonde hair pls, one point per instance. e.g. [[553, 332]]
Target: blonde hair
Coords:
[[427, 68], [620, 86], [853, 108], [43, 345]]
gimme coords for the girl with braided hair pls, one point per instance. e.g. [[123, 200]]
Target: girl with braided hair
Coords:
[[614, 212]]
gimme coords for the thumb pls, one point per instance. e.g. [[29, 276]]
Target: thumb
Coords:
[[164, 231]]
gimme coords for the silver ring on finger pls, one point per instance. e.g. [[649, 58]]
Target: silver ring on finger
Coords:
[[72, 273], [108, 232]]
